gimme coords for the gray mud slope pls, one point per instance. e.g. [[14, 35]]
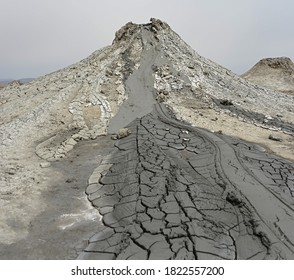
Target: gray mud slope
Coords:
[[168, 190]]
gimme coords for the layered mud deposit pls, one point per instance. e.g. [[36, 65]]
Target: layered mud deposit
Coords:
[[166, 188]]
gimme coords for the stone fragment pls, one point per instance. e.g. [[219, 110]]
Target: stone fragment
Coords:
[[45, 164], [274, 138], [122, 133]]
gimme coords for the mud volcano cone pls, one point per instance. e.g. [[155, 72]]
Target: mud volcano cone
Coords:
[[273, 73], [135, 153]]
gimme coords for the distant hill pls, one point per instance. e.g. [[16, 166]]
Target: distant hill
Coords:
[[273, 73], [7, 81]]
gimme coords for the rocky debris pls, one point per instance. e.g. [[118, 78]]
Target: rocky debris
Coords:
[[233, 199], [157, 25], [279, 63], [15, 83], [122, 133], [45, 164], [131, 29], [167, 82], [273, 73], [274, 138], [126, 31], [226, 102]]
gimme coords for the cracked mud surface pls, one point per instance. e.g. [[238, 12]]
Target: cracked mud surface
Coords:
[[173, 192]]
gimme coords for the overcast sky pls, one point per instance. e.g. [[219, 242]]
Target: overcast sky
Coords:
[[42, 36]]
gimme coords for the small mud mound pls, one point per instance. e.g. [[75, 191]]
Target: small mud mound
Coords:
[[273, 73]]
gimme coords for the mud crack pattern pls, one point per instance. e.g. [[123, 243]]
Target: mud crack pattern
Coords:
[[168, 192]]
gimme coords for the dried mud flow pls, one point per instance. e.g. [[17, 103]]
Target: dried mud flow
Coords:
[[167, 185], [175, 192]]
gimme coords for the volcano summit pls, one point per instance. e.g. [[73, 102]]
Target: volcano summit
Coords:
[[146, 150]]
